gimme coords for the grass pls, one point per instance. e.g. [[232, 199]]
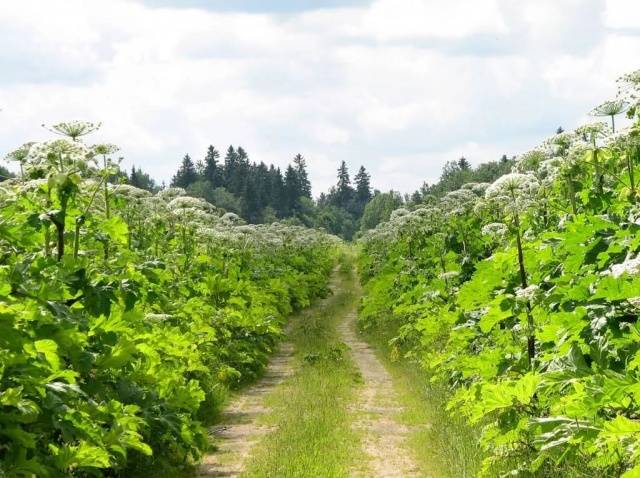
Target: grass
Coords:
[[312, 433], [441, 443]]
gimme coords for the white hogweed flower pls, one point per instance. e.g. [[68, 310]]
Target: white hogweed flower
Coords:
[[559, 144], [398, 213], [21, 154], [458, 202], [629, 267], [74, 129], [530, 161], [480, 188], [168, 194], [529, 294], [231, 218], [610, 108], [513, 186], [128, 191], [157, 317], [449, 275], [104, 148], [186, 202], [634, 302], [629, 88], [57, 155], [495, 230]]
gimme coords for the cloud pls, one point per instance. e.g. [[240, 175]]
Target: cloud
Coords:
[[398, 86], [261, 6]]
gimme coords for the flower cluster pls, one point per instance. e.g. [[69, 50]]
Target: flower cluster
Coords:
[[629, 266], [515, 192], [74, 129], [495, 230], [529, 294]]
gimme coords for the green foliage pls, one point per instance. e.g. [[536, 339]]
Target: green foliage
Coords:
[[521, 297], [124, 316], [379, 209]]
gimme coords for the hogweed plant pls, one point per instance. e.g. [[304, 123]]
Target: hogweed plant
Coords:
[[516, 194], [111, 367], [554, 256]]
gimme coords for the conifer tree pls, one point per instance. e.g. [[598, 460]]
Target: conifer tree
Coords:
[[344, 191], [186, 175], [303, 178], [230, 169], [276, 191], [140, 179], [292, 191], [363, 186], [212, 171]]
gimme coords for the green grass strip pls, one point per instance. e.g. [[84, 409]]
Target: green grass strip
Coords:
[[312, 433]]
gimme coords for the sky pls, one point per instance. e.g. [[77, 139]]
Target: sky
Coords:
[[399, 86]]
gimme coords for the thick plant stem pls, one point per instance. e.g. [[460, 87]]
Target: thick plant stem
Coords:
[[76, 240], [531, 338], [60, 229], [107, 210], [613, 124], [599, 175], [47, 240], [632, 181], [572, 197], [59, 222]]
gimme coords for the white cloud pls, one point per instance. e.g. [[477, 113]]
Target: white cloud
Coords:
[[389, 19], [622, 14], [399, 86]]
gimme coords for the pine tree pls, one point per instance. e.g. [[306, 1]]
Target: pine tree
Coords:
[[303, 178], [186, 175]]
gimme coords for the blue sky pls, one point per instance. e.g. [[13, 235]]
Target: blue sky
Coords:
[[400, 86]]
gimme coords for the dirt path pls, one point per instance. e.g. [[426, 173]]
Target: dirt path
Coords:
[[240, 427], [382, 435], [374, 412]]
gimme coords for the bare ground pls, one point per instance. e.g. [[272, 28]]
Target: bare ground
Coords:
[[383, 436], [240, 428]]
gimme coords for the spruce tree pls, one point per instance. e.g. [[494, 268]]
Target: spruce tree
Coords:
[[463, 164], [140, 179], [363, 186], [212, 171], [230, 169], [291, 190], [344, 191], [276, 191], [303, 178], [186, 174]]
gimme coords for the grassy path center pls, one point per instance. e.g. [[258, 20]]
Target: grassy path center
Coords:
[[327, 406]]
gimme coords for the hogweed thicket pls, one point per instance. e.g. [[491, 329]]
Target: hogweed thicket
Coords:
[[524, 302], [125, 315]]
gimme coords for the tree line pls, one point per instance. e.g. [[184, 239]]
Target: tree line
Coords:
[[263, 193]]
